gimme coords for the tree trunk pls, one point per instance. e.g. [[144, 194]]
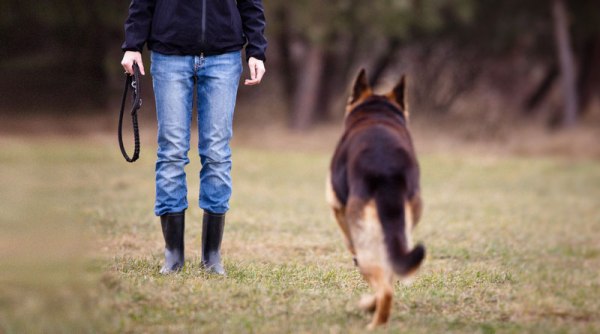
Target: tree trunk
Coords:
[[339, 62], [284, 42], [385, 60], [542, 90], [329, 82], [567, 63], [589, 72], [308, 88]]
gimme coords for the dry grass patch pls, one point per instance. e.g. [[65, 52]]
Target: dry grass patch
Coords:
[[512, 242]]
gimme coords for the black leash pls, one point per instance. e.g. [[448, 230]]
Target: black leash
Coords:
[[135, 82]]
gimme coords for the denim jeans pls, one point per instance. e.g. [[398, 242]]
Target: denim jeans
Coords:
[[215, 79]]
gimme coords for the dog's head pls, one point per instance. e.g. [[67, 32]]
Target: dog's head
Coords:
[[362, 92]]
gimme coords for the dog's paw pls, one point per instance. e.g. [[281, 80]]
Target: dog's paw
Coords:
[[371, 326], [374, 324], [407, 280], [367, 303]]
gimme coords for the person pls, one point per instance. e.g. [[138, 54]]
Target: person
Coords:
[[195, 48]]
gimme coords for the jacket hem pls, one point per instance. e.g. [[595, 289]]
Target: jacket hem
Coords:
[[161, 48]]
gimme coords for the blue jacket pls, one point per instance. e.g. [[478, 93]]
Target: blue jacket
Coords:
[[192, 27]]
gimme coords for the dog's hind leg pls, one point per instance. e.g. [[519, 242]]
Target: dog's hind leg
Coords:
[[415, 205], [367, 234], [339, 215], [381, 301], [367, 303], [383, 304]]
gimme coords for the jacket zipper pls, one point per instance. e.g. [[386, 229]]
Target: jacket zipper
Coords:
[[203, 23]]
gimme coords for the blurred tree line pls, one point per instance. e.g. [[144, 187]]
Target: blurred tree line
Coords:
[[531, 57]]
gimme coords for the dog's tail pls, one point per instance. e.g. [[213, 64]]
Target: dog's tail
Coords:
[[393, 218], [409, 262]]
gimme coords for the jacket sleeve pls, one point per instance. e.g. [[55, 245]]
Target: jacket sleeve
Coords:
[[138, 24], [253, 21]]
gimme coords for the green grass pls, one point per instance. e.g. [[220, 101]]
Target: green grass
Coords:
[[513, 246]]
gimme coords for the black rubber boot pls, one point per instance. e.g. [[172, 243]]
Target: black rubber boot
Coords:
[[212, 233], [173, 226]]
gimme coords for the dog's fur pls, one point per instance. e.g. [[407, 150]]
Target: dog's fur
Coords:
[[373, 189]]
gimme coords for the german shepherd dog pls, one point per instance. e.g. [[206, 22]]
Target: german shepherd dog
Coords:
[[373, 189]]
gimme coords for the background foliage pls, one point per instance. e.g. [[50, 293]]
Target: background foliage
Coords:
[[487, 55]]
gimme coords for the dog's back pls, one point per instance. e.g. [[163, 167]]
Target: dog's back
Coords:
[[375, 191]]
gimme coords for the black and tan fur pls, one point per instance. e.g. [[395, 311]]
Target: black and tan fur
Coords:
[[373, 189]]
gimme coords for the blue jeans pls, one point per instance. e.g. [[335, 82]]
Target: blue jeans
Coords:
[[215, 79]]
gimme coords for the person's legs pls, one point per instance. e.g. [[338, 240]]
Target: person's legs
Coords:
[[173, 81], [218, 78]]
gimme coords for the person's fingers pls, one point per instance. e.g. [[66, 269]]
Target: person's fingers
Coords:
[[131, 57], [141, 65], [252, 82], [127, 65], [260, 73], [252, 66], [257, 70]]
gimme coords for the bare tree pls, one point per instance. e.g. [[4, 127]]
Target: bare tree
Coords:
[[567, 63]]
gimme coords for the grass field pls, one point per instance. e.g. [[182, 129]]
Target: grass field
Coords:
[[513, 246]]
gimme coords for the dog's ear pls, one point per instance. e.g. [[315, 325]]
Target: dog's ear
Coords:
[[361, 87], [398, 94]]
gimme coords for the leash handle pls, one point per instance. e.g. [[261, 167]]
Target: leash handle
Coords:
[[135, 83]]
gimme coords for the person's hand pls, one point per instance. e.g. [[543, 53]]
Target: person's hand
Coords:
[[257, 70], [129, 58]]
